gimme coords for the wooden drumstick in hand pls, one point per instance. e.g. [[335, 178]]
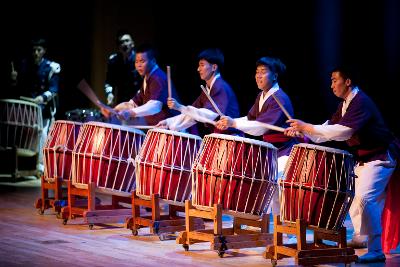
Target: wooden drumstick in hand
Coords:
[[271, 127], [169, 81], [282, 107], [212, 101], [298, 134]]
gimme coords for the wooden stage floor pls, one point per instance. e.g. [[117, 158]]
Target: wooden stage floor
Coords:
[[30, 239]]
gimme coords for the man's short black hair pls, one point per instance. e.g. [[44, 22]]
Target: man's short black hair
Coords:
[[39, 42], [348, 72], [213, 56], [148, 49], [274, 64]]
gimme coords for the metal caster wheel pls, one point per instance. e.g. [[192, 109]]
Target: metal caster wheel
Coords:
[[65, 221], [186, 247], [161, 237], [135, 232], [91, 226], [221, 253], [40, 211], [274, 262]]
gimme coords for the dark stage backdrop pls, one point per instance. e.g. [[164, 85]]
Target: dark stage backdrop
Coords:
[[310, 37]]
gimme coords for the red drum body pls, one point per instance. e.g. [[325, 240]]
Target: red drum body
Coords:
[[237, 172], [21, 124], [57, 151], [104, 154], [317, 186], [164, 165]]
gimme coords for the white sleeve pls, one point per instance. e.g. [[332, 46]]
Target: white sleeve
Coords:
[[180, 122], [133, 103], [150, 108], [199, 114], [250, 127], [325, 132]]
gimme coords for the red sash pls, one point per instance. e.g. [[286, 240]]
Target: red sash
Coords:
[[276, 138], [391, 213]]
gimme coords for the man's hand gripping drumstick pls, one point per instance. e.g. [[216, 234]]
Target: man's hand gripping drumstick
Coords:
[[84, 87]]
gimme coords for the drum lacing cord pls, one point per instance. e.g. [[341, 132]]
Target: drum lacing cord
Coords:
[[130, 160], [61, 148], [223, 242]]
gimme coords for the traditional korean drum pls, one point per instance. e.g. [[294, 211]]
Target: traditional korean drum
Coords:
[[164, 165], [57, 151], [104, 154], [21, 124], [239, 173], [317, 186]]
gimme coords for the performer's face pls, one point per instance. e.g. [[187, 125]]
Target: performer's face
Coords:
[[38, 53], [340, 86], [143, 64], [265, 78], [126, 43], [206, 69]]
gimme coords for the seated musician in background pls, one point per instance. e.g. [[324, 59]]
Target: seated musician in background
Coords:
[[149, 105], [267, 110], [359, 123], [210, 63], [38, 77], [122, 77]]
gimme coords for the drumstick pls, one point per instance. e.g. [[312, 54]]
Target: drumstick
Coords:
[[298, 134], [30, 99], [169, 81], [84, 87], [271, 127], [144, 127], [282, 107], [211, 100], [12, 66]]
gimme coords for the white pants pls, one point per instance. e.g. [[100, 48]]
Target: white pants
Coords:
[[275, 205], [369, 199]]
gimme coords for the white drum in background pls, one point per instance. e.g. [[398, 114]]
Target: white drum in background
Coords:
[[21, 124], [104, 154]]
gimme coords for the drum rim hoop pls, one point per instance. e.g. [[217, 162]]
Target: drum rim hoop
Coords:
[[114, 126], [68, 122], [165, 131], [324, 148], [241, 139], [18, 101]]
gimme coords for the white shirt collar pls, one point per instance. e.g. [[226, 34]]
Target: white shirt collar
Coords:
[[212, 82], [348, 99], [148, 76], [264, 98]]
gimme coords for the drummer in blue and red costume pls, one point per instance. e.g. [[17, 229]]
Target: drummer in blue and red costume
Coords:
[[359, 123], [267, 110], [210, 62]]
